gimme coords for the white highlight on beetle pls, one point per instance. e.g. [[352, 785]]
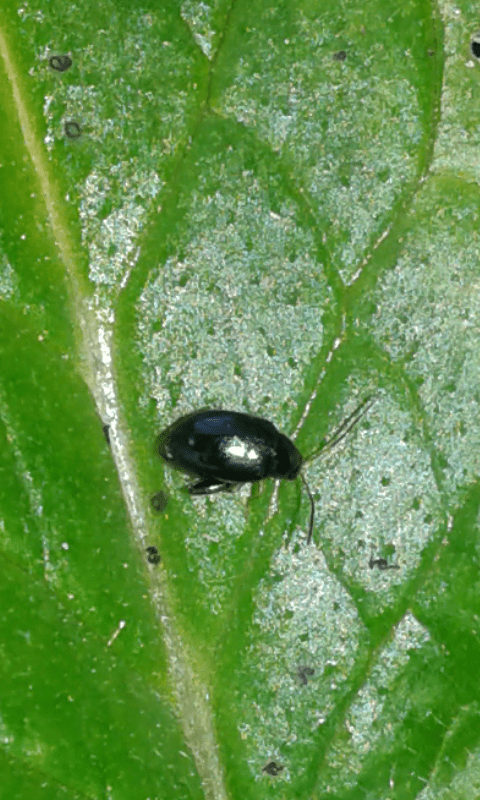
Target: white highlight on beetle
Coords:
[[240, 451]]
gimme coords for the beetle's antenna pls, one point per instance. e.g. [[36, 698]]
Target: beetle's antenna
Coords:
[[336, 437], [312, 508], [345, 427]]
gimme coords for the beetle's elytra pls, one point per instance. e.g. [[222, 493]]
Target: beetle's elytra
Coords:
[[222, 449]]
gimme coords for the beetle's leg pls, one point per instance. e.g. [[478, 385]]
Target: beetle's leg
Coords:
[[209, 486], [312, 508]]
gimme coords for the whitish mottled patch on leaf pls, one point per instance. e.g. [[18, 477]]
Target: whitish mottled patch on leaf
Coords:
[[129, 129], [458, 138], [112, 239], [381, 471], [377, 714], [428, 315], [8, 278], [290, 91], [236, 320], [198, 17], [304, 618]]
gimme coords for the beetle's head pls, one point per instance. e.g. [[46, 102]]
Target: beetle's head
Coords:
[[288, 460]]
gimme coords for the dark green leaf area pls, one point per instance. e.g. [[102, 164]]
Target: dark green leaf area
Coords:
[[449, 605], [74, 711], [428, 320], [409, 729], [449, 602], [63, 515], [26, 783], [31, 276]]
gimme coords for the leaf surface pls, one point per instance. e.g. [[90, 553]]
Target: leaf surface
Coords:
[[273, 209]]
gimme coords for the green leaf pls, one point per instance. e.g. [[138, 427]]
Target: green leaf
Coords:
[[272, 208]]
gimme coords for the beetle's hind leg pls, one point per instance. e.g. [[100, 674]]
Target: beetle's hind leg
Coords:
[[210, 486]]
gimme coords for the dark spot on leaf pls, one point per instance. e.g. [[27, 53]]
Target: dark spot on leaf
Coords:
[[381, 564], [72, 130], [153, 556], [384, 174], [159, 502], [304, 673], [60, 63], [272, 768]]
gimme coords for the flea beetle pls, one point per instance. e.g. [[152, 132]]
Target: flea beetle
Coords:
[[223, 449]]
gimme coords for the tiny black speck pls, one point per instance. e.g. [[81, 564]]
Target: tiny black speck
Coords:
[[272, 768], [382, 564], [153, 556]]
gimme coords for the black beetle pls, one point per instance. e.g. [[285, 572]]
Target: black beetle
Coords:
[[223, 449]]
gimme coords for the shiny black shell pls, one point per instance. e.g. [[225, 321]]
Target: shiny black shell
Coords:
[[224, 448]]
